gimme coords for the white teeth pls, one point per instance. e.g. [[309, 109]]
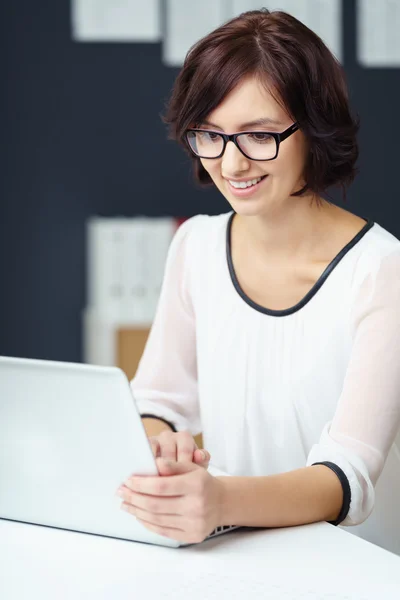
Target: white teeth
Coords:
[[244, 184]]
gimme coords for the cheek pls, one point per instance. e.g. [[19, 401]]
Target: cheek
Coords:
[[213, 168], [291, 159]]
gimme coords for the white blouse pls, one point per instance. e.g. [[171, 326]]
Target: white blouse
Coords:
[[272, 391]]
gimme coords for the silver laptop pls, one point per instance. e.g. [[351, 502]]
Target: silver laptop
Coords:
[[70, 434]]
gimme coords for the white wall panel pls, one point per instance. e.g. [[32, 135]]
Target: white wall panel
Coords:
[[378, 33], [186, 23], [322, 16], [115, 20]]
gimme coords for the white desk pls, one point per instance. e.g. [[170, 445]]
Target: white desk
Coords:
[[314, 561]]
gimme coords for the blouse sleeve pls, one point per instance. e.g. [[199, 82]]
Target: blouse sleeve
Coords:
[[357, 441], [165, 384]]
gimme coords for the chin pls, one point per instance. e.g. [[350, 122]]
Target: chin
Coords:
[[248, 207]]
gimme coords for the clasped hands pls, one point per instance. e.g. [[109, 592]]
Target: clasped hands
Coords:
[[183, 503]]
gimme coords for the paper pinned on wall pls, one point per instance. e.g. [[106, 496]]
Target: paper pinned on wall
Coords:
[[324, 17], [378, 33], [187, 22], [115, 20]]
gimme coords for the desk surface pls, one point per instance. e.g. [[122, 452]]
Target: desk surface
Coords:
[[316, 561]]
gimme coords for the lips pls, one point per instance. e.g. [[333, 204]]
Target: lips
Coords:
[[246, 192], [253, 181]]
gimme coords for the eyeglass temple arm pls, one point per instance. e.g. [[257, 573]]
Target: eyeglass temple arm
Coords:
[[288, 131]]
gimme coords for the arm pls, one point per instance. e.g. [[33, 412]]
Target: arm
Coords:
[[358, 439], [165, 384], [303, 496], [154, 426]]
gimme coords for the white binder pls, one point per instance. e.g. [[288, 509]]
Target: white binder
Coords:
[[125, 268]]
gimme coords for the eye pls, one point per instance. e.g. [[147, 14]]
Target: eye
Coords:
[[207, 136], [260, 137]]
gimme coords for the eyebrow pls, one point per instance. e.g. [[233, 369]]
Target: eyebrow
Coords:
[[262, 122]]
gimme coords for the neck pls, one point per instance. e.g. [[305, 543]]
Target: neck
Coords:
[[295, 229]]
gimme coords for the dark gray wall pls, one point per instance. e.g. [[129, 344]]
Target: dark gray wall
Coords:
[[73, 119]]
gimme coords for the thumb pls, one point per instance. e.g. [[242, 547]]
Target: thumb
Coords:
[[171, 467], [201, 456]]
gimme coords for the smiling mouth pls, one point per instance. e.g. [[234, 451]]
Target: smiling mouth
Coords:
[[242, 185]]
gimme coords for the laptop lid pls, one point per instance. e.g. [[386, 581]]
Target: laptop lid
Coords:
[[70, 434]]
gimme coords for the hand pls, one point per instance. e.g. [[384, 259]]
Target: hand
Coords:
[[184, 504], [180, 447]]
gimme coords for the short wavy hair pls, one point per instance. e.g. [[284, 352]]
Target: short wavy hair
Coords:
[[293, 64]]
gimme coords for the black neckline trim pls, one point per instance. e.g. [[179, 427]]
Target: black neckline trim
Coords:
[[289, 311]]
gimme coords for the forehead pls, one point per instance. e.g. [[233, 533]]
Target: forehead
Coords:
[[248, 101]]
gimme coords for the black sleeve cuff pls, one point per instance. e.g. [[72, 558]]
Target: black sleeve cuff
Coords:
[[160, 419], [346, 491]]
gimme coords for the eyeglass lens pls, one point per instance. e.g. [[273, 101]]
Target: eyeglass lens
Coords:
[[257, 145]]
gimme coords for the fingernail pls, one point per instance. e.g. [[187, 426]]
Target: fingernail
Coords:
[[203, 454]]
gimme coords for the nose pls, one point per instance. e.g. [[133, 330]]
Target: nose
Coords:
[[233, 161]]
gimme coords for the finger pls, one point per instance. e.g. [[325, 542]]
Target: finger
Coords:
[[157, 505], [202, 456], [185, 447], [155, 446], [170, 485], [163, 520], [167, 443], [167, 530]]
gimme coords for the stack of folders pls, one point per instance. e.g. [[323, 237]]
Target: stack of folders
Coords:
[[124, 272]]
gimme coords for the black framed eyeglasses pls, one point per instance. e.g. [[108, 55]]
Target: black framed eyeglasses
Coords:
[[255, 145]]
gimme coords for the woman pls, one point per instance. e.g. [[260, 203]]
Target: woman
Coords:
[[277, 333]]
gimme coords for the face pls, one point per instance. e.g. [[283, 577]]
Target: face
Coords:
[[248, 102]]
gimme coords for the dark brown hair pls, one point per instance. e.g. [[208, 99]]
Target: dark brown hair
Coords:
[[294, 64]]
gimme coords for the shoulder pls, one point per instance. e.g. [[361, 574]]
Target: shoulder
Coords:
[[201, 228], [203, 221], [381, 241], [379, 247], [196, 239], [194, 248], [376, 277]]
